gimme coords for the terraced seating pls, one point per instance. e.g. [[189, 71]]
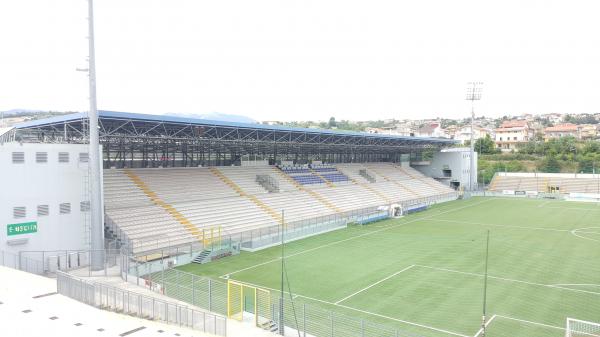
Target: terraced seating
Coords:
[[335, 177], [295, 169], [297, 205], [158, 208], [566, 183], [308, 179], [324, 169]]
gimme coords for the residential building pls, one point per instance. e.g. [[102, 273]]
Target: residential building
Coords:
[[589, 131], [432, 130], [561, 130], [512, 133], [464, 133]]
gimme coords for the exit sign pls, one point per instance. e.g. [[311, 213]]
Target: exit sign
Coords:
[[21, 228]]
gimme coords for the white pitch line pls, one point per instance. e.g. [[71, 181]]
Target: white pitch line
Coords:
[[574, 232], [580, 230], [360, 310], [486, 325], [354, 237], [543, 204], [531, 322], [507, 226], [577, 284], [508, 279], [402, 321], [374, 284], [576, 209]]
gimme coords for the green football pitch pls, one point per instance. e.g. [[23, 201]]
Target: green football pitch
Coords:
[[424, 273]]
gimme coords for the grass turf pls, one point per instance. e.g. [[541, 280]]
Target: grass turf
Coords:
[[424, 273]]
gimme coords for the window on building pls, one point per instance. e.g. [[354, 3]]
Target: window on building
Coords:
[[41, 157], [84, 206], [65, 208], [84, 157], [18, 157], [63, 157], [43, 210], [19, 212]]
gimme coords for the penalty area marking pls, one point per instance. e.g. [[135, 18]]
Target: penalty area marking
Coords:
[[359, 310], [531, 322], [510, 280], [374, 284], [352, 238]]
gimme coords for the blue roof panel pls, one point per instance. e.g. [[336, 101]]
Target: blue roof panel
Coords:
[[184, 120]]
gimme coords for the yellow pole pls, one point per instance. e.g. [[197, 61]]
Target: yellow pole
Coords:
[[228, 299], [242, 302], [255, 308]]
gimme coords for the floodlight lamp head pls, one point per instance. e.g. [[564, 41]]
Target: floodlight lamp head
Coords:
[[474, 90]]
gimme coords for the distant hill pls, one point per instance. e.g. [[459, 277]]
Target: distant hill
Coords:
[[22, 112], [216, 116]]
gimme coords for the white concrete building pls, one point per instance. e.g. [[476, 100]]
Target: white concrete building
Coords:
[[451, 167], [44, 203]]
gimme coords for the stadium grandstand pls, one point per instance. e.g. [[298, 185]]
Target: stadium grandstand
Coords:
[[170, 180], [235, 229]]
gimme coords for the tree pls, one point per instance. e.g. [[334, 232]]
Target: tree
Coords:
[[550, 165], [332, 122], [486, 145]]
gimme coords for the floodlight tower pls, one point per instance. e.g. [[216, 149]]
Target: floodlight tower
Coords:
[[95, 160], [474, 90]]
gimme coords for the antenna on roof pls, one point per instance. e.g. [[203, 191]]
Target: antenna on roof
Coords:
[[474, 90]]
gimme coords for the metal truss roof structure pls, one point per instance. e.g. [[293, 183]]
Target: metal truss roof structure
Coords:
[[130, 132]]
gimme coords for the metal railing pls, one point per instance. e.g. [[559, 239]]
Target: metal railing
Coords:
[[16, 261], [147, 307], [74, 261]]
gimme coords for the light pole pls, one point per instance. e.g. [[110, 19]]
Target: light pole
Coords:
[[597, 177], [483, 178], [95, 158], [474, 90]]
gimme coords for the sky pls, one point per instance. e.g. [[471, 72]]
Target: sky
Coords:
[[304, 60]]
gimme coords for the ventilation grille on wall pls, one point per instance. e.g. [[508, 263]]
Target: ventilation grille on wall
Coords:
[[18, 157], [84, 206], [19, 212], [63, 157], [41, 157], [42, 210], [84, 157], [65, 208]]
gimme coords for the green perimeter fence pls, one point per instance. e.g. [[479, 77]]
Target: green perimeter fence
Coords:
[[305, 319]]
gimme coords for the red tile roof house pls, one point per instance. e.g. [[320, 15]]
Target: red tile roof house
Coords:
[[512, 133], [562, 130]]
